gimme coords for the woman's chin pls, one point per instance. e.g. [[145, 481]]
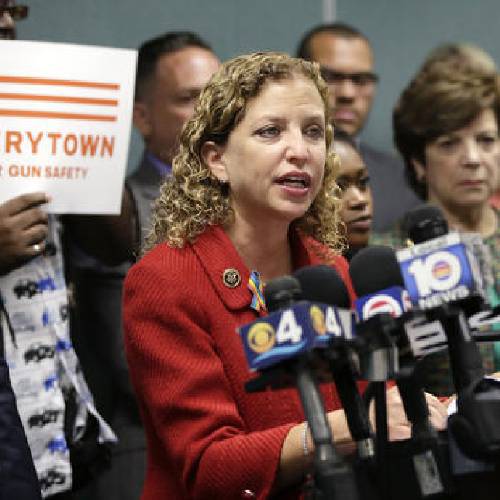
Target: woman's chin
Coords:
[[292, 212], [470, 202], [359, 241]]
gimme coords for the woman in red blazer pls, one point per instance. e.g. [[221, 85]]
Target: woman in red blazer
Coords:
[[252, 190]]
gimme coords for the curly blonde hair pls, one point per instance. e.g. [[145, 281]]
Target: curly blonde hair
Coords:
[[192, 199]]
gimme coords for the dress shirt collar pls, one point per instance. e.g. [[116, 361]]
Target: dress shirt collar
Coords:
[[164, 169]]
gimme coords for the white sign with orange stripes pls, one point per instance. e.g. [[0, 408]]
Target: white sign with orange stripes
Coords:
[[65, 119]]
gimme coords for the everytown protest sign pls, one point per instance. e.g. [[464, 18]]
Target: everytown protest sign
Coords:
[[65, 119]]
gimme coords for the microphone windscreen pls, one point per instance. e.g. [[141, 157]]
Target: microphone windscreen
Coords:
[[282, 292], [323, 283], [375, 268], [424, 222]]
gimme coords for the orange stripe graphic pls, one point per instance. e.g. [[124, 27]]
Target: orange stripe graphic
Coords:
[[53, 98], [49, 114], [31, 80]]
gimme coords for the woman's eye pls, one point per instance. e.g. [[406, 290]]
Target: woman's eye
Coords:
[[268, 132], [188, 97], [342, 183], [363, 183], [487, 140], [315, 132], [447, 144]]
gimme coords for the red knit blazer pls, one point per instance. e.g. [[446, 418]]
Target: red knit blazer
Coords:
[[207, 438]]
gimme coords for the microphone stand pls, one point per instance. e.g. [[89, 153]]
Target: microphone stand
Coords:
[[428, 461], [333, 476], [381, 333], [475, 425], [382, 437], [465, 358], [339, 359], [379, 362], [429, 464]]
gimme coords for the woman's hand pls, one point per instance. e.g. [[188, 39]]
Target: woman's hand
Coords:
[[399, 427], [298, 447]]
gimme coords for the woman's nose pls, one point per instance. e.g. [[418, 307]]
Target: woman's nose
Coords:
[[355, 197], [297, 148], [472, 154]]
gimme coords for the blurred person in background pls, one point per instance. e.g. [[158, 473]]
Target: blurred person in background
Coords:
[[172, 69], [446, 125], [357, 204], [466, 54], [346, 60]]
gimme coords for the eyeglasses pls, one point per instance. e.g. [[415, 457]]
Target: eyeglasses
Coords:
[[17, 12], [362, 79]]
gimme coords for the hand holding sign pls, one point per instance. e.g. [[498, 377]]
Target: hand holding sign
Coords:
[[23, 229]]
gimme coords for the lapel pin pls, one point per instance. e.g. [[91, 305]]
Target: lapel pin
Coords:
[[231, 278]]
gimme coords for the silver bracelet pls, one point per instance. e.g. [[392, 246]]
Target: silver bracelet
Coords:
[[305, 447]]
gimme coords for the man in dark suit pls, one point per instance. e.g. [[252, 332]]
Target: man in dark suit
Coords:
[[172, 70], [346, 60]]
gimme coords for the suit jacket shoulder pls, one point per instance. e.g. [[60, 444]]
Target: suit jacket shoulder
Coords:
[[392, 197], [144, 187]]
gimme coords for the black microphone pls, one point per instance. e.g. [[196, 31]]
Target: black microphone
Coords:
[[426, 225], [376, 308], [375, 273], [334, 477], [323, 284], [444, 267], [475, 425], [374, 269]]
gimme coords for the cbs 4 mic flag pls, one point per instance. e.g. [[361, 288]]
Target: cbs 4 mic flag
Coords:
[[288, 333]]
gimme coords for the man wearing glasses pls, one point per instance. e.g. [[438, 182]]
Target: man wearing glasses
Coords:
[[346, 60], [9, 14]]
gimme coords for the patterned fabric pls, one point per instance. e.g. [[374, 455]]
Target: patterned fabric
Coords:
[[42, 362], [435, 368]]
